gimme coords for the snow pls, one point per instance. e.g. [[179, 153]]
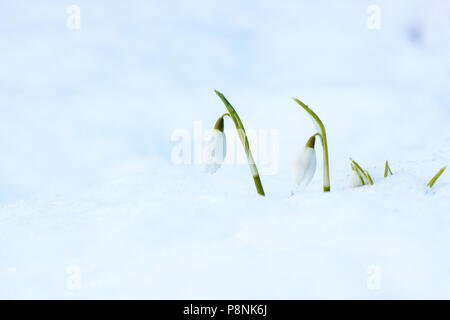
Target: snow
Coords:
[[89, 190]]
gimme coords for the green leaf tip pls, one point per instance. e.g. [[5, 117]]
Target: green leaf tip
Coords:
[[436, 176], [218, 93]]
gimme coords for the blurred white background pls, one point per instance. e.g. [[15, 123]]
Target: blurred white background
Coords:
[[77, 104]]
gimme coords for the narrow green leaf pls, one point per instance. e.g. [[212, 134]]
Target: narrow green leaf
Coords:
[[387, 170], [436, 176], [369, 177]]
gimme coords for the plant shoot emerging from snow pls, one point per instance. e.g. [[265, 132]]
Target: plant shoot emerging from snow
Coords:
[[436, 176], [323, 139], [243, 137], [387, 170], [359, 177]]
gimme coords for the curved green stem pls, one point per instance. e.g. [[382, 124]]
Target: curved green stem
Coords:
[[243, 136], [323, 139]]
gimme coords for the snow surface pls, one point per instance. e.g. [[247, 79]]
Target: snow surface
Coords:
[[87, 179]]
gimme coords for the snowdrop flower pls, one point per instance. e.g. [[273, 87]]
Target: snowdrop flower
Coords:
[[323, 139], [216, 148], [243, 137], [305, 164]]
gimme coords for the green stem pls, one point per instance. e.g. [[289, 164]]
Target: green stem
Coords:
[[323, 139], [243, 136]]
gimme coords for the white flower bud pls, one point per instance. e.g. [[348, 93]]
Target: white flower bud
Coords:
[[216, 148], [355, 180], [359, 177], [304, 165]]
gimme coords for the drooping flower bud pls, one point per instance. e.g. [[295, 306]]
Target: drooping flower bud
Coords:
[[304, 165], [216, 148], [243, 137]]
